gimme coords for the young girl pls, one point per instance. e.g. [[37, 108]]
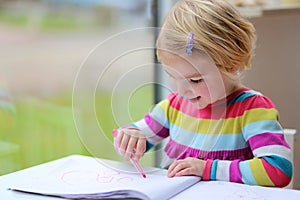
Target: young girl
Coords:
[[218, 129]]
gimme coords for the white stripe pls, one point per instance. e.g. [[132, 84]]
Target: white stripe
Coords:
[[256, 92], [166, 161], [150, 135], [277, 150], [223, 170]]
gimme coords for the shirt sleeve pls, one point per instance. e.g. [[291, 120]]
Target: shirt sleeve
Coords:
[[155, 124], [271, 164]]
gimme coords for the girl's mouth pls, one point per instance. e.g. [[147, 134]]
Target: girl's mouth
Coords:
[[195, 100]]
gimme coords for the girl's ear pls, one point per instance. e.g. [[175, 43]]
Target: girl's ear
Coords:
[[232, 70]]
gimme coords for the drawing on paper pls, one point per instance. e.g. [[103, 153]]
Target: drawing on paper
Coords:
[[89, 177], [244, 194]]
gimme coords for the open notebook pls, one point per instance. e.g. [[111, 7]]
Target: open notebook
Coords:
[[86, 177]]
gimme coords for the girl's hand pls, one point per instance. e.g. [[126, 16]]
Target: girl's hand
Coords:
[[131, 143], [187, 166]]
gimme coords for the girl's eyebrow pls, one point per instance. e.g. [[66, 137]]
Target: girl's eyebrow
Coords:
[[191, 75]]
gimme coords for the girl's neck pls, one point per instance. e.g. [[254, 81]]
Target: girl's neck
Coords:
[[234, 89], [229, 94]]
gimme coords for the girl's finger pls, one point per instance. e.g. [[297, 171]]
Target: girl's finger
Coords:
[[140, 148], [171, 167], [184, 172], [176, 167], [130, 147], [123, 144], [119, 138]]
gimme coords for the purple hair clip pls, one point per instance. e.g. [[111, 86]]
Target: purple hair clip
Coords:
[[189, 44]]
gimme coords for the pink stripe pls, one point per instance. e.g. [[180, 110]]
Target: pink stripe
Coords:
[[156, 127], [266, 139], [179, 151], [207, 169], [182, 105], [238, 109], [235, 174], [219, 110], [278, 177]]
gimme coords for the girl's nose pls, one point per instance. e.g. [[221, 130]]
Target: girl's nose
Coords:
[[183, 88]]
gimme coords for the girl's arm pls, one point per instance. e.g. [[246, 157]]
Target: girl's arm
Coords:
[[271, 165], [266, 171], [144, 134]]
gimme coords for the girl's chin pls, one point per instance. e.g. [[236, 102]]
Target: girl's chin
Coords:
[[196, 105], [199, 105], [198, 102]]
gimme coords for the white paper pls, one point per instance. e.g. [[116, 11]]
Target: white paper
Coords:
[[84, 176], [218, 190]]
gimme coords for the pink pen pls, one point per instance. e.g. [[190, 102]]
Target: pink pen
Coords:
[[135, 163]]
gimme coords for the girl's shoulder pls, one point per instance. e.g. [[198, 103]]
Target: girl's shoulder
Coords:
[[250, 98], [175, 98]]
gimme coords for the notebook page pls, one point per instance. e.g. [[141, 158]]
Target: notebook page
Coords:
[[83, 176]]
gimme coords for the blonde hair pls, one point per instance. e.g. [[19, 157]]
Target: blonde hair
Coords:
[[219, 31]]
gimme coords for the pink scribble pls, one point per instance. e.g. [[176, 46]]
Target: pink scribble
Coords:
[[110, 173], [244, 194], [124, 179], [79, 177], [88, 177], [105, 179]]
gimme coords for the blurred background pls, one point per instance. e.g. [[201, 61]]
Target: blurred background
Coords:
[[44, 44]]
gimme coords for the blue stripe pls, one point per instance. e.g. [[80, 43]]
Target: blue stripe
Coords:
[[159, 115], [148, 145], [246, 172], [243, 96], [260, 127], [207, 142], [133, 125], [213, 171], [281, 163]]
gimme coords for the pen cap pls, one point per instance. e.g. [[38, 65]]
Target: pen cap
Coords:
[[115, 133]]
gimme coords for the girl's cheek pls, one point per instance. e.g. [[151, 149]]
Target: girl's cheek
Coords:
[[174, 84], [201, 89]]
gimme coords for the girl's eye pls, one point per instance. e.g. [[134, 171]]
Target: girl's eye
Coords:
[[196, 80]]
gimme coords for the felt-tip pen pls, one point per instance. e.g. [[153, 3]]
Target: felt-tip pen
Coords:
[[134, 162]]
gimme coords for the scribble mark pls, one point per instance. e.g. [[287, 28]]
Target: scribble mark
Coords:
[[89, 177]]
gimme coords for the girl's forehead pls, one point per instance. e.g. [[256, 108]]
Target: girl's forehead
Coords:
[[187, 64], [183, 72]]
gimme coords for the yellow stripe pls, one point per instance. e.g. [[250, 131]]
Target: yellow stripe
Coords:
[[223, 126], [259, 173], [187, 122], [165, 104], [258, 114]]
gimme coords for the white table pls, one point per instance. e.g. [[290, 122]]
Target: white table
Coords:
[[8, 179], [202, 190]]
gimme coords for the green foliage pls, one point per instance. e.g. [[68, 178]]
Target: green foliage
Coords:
[[13, 18], [44, 130], [44, 22], [52, 22]]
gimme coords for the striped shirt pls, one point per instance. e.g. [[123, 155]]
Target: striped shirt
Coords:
[[239, 137]]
